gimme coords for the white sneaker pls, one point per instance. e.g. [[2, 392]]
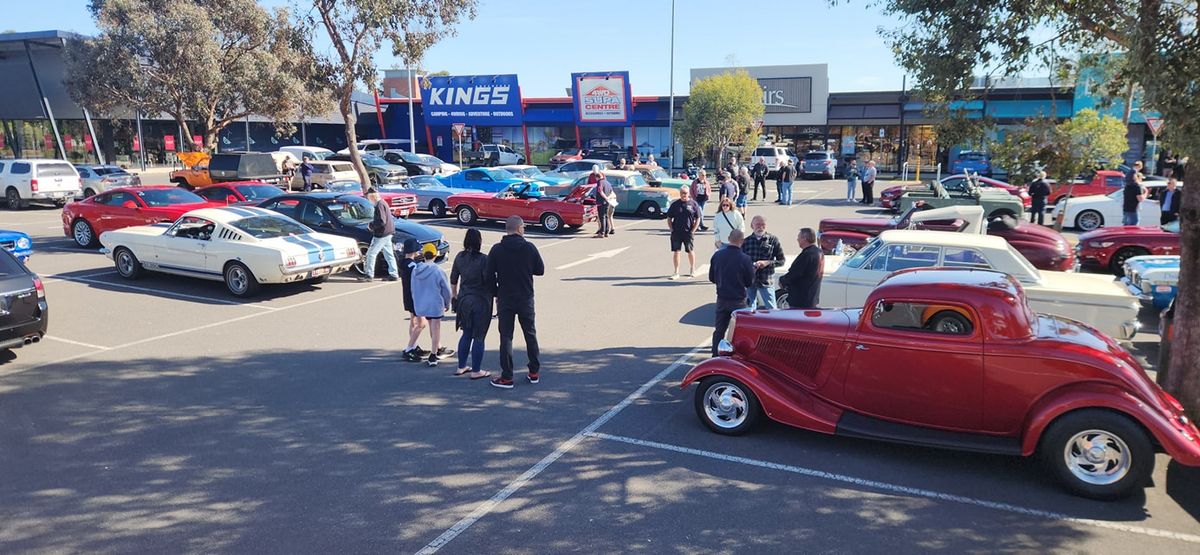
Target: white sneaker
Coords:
[[673, 277]]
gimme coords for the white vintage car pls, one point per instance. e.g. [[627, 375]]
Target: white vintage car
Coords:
[[242, 246], [1093, 299], [1096, 211]]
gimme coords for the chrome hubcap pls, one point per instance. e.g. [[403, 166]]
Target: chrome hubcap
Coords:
[[725, 405], [83, 234], [464, 216], [1097, 457], [125, 263], [1089, 221], [552, 223]]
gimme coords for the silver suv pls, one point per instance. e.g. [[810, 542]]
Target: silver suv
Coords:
[[819, 163]]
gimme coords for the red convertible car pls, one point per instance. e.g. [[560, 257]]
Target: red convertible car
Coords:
[[890, 198], [1045, 248], [953, 359], [553, 213], [1107, 248], [85, 220]]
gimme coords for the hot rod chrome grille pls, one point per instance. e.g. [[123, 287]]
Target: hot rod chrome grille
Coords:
[[802, 356]]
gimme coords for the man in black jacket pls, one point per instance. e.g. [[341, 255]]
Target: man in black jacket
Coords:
[[759, 173], [1170, 199], [511, 265], [733, 273], [1038, 191], [382, 227], [803, 279]]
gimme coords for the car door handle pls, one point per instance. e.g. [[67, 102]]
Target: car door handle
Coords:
[[861, 347]]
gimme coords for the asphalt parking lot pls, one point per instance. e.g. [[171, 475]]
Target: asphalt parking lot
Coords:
[[162, 415]]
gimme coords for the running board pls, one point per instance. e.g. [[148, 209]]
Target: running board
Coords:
[[866, 427]]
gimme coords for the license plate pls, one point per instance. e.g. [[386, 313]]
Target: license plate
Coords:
[[1162, 289], [320, 272]]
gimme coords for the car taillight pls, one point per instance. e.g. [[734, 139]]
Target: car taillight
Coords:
[[33, 185], [290, 262], [351, 252], [41, 289]]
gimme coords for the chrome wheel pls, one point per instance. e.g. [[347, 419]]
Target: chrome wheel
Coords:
[[552, 223], [83, 234], [1089, 220], [438, 208], [726, 405], [466, 215], [1097, 457], [239, 280], [127, 264]]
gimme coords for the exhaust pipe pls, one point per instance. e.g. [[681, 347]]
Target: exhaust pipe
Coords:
[[28, 340], [37, 339]]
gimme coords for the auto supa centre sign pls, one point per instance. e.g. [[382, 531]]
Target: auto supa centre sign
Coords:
[[472, 99], [602, 98]]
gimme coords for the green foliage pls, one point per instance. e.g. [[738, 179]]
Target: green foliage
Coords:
[[1026, 150], [721, 110], [1086, 142], [357, 29], [209, 61]]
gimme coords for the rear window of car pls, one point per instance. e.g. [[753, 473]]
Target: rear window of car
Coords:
[[764, 152], [343, 168], [267, 227], [56, 170], [973, 156], [816, 156], [106, 170], [167, 197], [10, 266]]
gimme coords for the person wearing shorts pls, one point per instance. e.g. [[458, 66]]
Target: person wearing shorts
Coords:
[[683, 217], [431, 300]]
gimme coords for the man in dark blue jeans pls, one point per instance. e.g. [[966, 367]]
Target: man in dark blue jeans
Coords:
[[733, 273], [1134, 193], [511, 265]]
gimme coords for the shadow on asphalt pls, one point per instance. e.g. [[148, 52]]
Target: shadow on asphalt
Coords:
[[200, 291], [1182, 487], [324, 450]]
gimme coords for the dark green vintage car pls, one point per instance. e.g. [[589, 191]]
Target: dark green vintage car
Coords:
[[634, 195], [995, 202]]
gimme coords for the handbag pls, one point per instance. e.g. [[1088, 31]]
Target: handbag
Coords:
[[612, 200]]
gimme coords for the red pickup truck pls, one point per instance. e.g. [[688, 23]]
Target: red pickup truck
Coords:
[[1102, 183]]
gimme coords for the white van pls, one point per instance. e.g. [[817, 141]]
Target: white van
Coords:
[[40, 180], [313, 152], [772, 156], [379, 146]]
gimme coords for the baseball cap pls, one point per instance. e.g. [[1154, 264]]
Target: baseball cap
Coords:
[[411, 245]]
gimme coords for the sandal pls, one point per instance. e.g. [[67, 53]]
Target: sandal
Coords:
[[485, 374], [461, 372]]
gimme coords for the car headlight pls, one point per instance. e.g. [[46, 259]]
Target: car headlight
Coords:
[[1100, 244], [24, 243]]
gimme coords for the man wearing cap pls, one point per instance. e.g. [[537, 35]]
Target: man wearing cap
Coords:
[[382, 227]]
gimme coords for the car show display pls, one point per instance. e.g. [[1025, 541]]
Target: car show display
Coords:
[[956, 359], [1154, 279], [86, 220], [1107, 249], [1095, 300], [996, 202], [554, 214], [430, 192], [488, 180], [634, 195], [18, 243], [244, 247], [1095, 211]]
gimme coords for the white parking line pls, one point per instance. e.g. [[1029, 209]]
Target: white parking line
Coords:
[[565, 447], [189, 330], [902, 490], [80, 343], [74, 249], [795, 204], [55, 277], [164, 292]]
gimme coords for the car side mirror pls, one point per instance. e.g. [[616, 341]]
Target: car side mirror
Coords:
[[326, 224], [130, 205]]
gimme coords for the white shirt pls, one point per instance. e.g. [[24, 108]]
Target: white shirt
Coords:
[[722, 227]]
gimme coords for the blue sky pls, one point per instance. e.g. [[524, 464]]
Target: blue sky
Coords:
[[543, 41]]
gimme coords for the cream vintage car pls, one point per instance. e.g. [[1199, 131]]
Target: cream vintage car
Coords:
[[242, 246], [325, 172], [1093, 299]]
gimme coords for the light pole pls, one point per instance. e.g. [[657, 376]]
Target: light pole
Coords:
[[671, 101], [412, 138]]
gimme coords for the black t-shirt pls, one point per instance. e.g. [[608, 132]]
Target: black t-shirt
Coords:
[[1132, 191], [406, 270], [683, 215]]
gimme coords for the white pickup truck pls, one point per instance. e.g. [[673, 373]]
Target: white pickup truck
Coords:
[[492, 155], [38, 180]]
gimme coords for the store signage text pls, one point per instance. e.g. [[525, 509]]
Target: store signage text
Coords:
[[601, 98], [474, 99]]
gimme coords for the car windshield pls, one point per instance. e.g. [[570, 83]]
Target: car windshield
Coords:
[[108, 170], [343, 186], [861, 256], [816, 156], [431, 159], [351, 210], [570, 152], [499, 174], [659, 174], [528, 172], [267, 227], [259, 192], [413, 158], [56, 170], [373, 160], [1030, 273], [167, 197]]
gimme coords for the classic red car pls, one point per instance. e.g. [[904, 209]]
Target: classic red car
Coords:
[[554, 214], [85, 220], [236, 192], [1045, 248], [402, 204], [953, 359], [890, 198], [1102, 183], [1107, 248]]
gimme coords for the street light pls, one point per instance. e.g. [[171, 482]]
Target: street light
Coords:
[[671, 101]]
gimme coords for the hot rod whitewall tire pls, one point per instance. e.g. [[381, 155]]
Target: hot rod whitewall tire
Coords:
[[1098, 454]]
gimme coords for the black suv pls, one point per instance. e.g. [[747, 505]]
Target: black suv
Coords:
[[24, 314], [413, 164]]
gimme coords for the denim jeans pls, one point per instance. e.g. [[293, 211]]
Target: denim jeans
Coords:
[[386, 245], [1129, 218], [851, 185], [763, 293], [785, 190], [702, 200], [468, 343]]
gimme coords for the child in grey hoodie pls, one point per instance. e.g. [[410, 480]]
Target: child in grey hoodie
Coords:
[[431, 300]]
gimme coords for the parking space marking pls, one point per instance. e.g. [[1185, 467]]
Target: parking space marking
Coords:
[[565, 447], [164, 292], [74, 249], [55, 277], [189, 330], [80, 343], [902, 490]]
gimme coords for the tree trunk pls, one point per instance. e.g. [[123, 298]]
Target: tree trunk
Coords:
[[1183, 378], [347, 110]]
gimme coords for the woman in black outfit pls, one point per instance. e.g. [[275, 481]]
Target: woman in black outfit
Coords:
[[472, 302]]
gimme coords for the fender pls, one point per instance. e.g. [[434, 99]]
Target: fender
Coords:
[[781, 400], [1179, 440]]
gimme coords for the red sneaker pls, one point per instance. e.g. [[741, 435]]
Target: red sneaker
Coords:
[[502, 383]]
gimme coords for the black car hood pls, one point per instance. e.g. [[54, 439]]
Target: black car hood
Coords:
[[404, 230]]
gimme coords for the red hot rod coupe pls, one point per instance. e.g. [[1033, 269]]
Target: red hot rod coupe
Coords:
[[952, 359]]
